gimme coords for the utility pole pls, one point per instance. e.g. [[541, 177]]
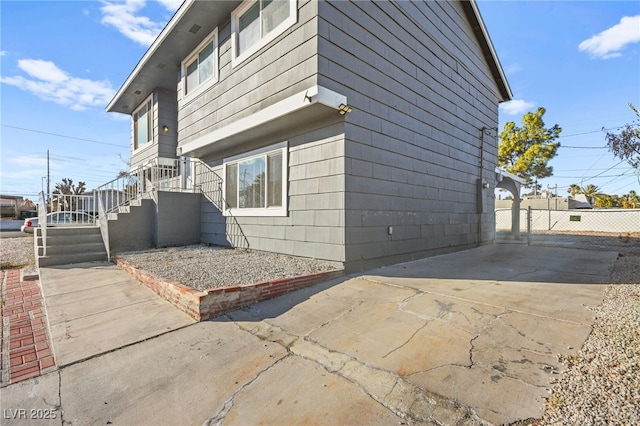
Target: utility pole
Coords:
[[48, 180]]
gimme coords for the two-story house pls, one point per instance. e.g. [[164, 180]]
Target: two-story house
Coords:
[[354, 131]]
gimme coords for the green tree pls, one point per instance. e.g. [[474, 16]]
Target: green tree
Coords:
[[525, 151], [607, 201], [66, 187], [574, 189], [593, 194], [630, 200], [626, 144]]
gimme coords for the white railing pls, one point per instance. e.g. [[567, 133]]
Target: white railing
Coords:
[[42, 218], [103, 222], [209, 183], [142, 180], [72, 210]]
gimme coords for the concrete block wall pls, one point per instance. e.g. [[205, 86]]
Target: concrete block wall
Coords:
[[135, 229], [421, 93], [177, 218], [166, 219]]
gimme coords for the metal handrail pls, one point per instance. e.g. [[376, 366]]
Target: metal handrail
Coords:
[[103, 222], [142, 180], [42, 219], [209, 184]]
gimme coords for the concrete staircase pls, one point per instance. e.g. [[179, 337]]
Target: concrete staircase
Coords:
[[74, 244]]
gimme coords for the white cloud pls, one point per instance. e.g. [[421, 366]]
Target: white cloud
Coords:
[[126, 19], [29, 161], [3, 53], [611, 41], [45, 80], [171, 5], [516, 107], [513, 69]]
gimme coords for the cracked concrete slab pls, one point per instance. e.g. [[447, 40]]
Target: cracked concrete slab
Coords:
[[183, 377], [33, 401], [466, 338], [306, 394], [86, 302]]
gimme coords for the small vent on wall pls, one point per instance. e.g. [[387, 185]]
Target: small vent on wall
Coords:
[[160, 66], [195, 28]]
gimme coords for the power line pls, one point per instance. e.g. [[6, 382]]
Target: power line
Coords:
[[64, 136], [596, 131]]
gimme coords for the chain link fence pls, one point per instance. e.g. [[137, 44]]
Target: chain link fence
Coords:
[[606, 229]]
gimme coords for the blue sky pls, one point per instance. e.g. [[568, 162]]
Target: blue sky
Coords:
[[61, 63]]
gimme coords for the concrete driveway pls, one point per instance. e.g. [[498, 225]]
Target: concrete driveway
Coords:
[[463, 338]]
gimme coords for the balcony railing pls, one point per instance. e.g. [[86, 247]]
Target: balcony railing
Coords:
[[142, 180]]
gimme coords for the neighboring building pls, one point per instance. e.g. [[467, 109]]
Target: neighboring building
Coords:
[[16, 207], [9, 206], [352, 131], [580, 201]]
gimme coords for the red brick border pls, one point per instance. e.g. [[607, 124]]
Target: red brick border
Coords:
[[26, 351], [203, 305]]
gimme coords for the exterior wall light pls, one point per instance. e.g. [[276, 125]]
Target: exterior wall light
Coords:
[[343, 109], [165, 129]]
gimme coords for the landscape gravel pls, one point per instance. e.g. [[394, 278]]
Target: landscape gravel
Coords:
[[203, 267], [601, 385], [16, 252]]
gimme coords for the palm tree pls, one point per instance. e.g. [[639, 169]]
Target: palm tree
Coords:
[[631, 200], [593, 194], [573, 189]]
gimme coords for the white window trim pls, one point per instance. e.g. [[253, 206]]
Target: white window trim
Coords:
[[235, 16], [152, 138], [266, 211], [202, 87]]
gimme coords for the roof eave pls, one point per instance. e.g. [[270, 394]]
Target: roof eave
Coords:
[[471, 7], [166, 31]]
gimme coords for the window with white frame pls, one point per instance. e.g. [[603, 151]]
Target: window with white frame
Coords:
[[257, 22], [200, 69], [256, 184], [143, 124]]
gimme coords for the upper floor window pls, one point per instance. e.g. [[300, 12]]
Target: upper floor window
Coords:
[[143, 124], [200, 69], [256, 185], [257, 22]]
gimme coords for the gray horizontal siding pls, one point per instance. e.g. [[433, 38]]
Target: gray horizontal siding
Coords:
[[315, 223], [164, 144], [421, 93], [286, 66]]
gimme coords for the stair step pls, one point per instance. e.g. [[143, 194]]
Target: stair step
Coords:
[[66, 245], [55, 249], [67, 259]]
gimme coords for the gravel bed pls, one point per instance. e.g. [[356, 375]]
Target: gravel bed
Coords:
[[204, 267], [16, 252], [601, 385]]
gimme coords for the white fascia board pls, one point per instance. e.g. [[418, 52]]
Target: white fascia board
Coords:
[[483, 28], [311, 96], [504, 173], [151, 50]]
